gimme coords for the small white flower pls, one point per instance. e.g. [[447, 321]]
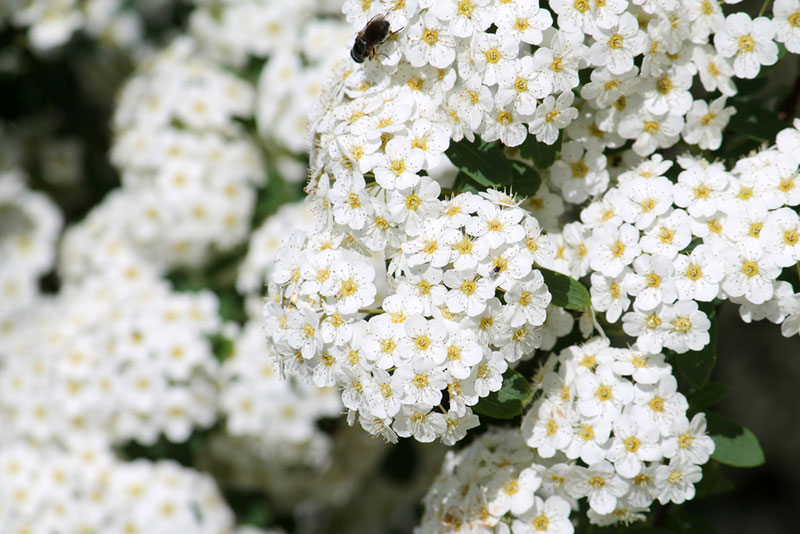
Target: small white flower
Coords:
[[749, 42], [398, 168], [705, 122], [553, 115]]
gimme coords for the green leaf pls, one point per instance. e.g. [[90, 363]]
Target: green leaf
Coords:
[[713, 482], [711, 394], [734, 444], [567, 292], [221, 346], [525, 180], [683, 522], [542, 155], [755, 122], [483, 162], [509, 401], [696, 366]]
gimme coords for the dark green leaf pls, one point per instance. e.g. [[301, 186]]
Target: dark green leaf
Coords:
[[483, 162], [734, 444], [683, 522], [711, 394], [755, 122], [542, 155], [221, 346], [713, 482], [696, 366], [509, 400], [526, 180], [567, 292]]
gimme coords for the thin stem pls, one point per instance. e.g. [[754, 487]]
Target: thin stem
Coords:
[[763, 8]]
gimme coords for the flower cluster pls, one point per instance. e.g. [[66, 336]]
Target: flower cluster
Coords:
[[262, 250], [48, 489], [50, 24], [614, 416], [29, 227], [498, 484], [656, 247], [189, 168], [604, 425], [119, 356], [438, 324], [277, 416]]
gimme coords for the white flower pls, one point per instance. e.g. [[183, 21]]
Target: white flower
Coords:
[[518, 83], [558, 65], [705, 122], [601, 484], [699, 188], [546, 428], [433, 245], [715, 71], [527, 301], [675, 482], [466, 16], [602, 394], [608, 295], [549, 516], [463, 351], [648, 328], [689, 441], [698, 274], [651, 282], [420, 422], [398, 167], [749, 42], [509, 491], [612, 248], [781, 236], [457, 425], [425, 339], [354, 287], [651, 131], [430, 43], [633, 444], [686, 327], [579, 173], [787, 23], [522, 21], [504, 123], [467, 294], [750, 272], [553, 115], [616, 46]]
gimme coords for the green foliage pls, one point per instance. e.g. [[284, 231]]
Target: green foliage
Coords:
[[526, 180], [755, 122], [683, 522], [567, 292], [708, 396], [542, 155], [484, 163], [509, 401], [735, 444]]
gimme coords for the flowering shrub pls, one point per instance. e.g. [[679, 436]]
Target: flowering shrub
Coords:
[[522, 223], [426, 298]]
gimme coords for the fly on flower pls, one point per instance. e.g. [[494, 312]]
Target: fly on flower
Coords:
[[369, 39]]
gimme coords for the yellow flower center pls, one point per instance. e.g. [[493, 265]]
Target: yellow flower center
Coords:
[[616, 42], [412, 202], [657, 404], [504, 118], [430, 36], [681, 324], [750, 269], [465, 8], [603, 393], [579, 169], [707, 119], [618, 249], [651, 127], [694, 272], [398, 167], [541, 523], [468, 287], [597, 482], [632, 444], [746, 44], [790, 237], [521, 85], [453, 353], [521, 24], [422, 342], [581, 6], [653, 280], [349, 287], [664, 86], [492, 55]]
